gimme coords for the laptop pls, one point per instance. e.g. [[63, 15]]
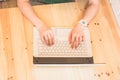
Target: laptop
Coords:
[[61, 52]]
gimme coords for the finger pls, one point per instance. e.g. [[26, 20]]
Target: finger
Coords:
[[77, 42], [73, 38], [73, 41], [83, 38], [46, 39], [73, 46], [42, 40], [49, 39], [52, 38]]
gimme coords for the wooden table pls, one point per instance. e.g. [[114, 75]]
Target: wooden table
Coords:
[[116, 7], [16, 42]]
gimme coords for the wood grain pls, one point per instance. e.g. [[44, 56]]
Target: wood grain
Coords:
[[16, 42]]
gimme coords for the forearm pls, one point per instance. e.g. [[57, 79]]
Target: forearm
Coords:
[[27, 10], [90, 12]]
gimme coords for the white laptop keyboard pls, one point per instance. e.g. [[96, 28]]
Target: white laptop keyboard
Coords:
[[61, 48]]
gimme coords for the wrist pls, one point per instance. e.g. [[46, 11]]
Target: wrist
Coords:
[[39, 25], [83, 23], [80, 27]]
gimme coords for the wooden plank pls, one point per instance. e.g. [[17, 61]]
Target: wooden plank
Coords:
[[29, 40], [57, 16], [5, 22], [23, 72], [3, 61]]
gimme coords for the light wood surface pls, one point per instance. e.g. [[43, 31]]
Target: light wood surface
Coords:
[[16, 42]]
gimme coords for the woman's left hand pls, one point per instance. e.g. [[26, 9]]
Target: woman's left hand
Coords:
[[76, 36]]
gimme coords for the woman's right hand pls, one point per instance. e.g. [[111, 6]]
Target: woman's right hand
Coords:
[[46, 34]]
